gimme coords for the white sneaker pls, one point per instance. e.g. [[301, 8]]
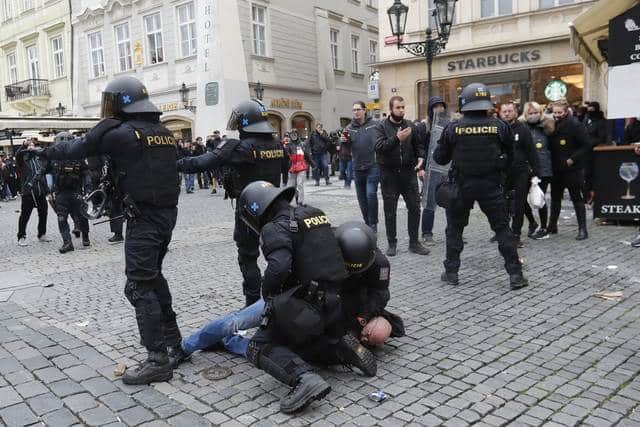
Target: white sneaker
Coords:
[[44, 238], [22, 241]]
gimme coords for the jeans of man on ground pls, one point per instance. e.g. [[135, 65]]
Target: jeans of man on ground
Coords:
[[367, 192], [322, 165], [429, 212], [346, 171], [224, 329], [189, 182]]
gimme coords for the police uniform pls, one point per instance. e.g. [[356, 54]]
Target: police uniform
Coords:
[[143, 153], [305, 269], [480, 149], [68, 177], [256, 156]]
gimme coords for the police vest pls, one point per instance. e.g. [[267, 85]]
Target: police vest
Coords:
[[476, 149], [316, 253], [68, 175], [151, 178], [268, 157]]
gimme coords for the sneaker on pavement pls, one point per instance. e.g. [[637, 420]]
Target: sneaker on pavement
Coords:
[[532, 229], [351, 353], [517, 281], [450, 278], [636, 242], [44, 239], [540, 234], [418, 248], [116, 238], [66, 247], [22, 241], [392, 250], [428, 240], [310, 387]]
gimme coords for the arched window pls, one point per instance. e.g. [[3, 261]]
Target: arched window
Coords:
[[303, 123], [276, 119]]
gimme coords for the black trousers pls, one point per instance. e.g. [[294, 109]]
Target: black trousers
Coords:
[[116, 225], [488, 193], [68, 203], [572, 180], [145, 247], [26, 206], [395, 183], [248, 243], [519, 181]]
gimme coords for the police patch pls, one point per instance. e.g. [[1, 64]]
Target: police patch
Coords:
[[384, 273]]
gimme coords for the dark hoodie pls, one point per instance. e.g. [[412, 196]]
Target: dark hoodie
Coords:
[[596, 126], [424, 129], [362, 142]]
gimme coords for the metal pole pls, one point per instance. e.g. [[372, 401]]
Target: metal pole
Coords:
[[429, 55]]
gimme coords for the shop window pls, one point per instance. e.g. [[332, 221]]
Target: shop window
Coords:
[[303, 124], [448, 90], [572, 76]]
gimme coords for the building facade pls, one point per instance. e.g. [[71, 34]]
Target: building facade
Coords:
[[519, 48], [310, 60], [35, 57]]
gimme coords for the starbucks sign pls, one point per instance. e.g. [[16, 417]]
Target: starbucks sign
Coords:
[[555, 90]]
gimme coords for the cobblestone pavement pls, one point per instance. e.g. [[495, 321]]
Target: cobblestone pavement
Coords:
[[478, 353]]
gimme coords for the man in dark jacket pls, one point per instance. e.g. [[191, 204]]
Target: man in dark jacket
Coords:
[[34, 191], [632, 132], [319, 145], [360, 137], [400, 155], [524, 165], [597, 134], [569, 146]]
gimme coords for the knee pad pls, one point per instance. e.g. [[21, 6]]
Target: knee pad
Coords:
[[135, 290], [377, 330]]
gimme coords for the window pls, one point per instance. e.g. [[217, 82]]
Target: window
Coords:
[[27, 4], [123, 47], [259, 29], [153, 28], [554, 3], [8, 9], [32, 58], [58, 56], [372, 3], [489, 8], [355, 53], [12, 68], [373, 51], [432, 19], [187, 29], [334, 37], [97, 54]]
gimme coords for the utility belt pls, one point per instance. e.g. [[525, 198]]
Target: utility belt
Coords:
[[130, 208], [302, 312]]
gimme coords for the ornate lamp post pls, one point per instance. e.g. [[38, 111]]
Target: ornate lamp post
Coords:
[[429, 48], [259, 90], [184, 97]]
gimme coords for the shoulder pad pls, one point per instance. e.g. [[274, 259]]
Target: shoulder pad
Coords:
[[230, 144], [275, 235]]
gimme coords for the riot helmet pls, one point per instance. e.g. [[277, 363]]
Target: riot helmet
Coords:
[[475, 97], [358, 244], [255, 200], [63, 137], [127, 95], [250, 117]]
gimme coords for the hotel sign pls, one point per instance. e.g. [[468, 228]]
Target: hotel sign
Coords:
[[293, 104]]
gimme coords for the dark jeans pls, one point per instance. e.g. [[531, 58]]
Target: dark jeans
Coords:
[[322, 166], [115, 225], [28, 203], [248, 244], [488, 193], [573, 181], [395, 183], [346, 171], [367, 181], [520, 183], [429, 211]]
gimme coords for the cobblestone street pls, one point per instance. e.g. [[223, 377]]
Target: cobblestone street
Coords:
[[552, 353]]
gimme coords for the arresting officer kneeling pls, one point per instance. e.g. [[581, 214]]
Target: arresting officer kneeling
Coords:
[[257, 155], [304, 272], [143, 152], [480, 149]]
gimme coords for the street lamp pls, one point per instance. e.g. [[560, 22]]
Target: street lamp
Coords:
[[184, 97], [61, 109], [259, 90], [429, 48]]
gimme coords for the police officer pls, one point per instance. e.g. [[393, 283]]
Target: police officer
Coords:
[[304, 272], [68, 177], [480, 149], [257, 155], [143, 152]]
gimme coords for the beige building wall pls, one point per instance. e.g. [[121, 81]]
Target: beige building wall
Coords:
[[35, 27], [528, 38]]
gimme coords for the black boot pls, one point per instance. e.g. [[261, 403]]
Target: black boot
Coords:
[[517, 281], [177, 356], [450, 277], [581, 216], [552, 228], [418, 248], [392, 250], [85, 240], [350, 352], [67, 246], [116, 238], [310, 387], [155, 369]]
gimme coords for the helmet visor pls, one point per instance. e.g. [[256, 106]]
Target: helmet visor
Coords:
[[232, 124], [109, 106]]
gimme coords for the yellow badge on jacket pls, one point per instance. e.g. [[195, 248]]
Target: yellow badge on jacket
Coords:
[[539, 145], [563, 142]]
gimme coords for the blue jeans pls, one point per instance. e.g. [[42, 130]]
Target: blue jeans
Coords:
[[346, 171], [189, 181], [429, 211], [224, 329], [367, 191], [321, 163]]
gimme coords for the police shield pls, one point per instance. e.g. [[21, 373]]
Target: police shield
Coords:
[[440, 120]]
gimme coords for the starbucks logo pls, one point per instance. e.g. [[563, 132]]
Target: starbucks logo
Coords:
[[555, 90]]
